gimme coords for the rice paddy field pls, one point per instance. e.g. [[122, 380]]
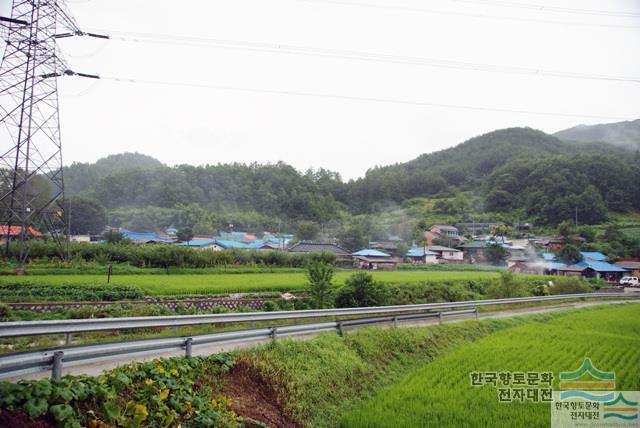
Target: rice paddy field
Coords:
[[440, 392], [173, 285]]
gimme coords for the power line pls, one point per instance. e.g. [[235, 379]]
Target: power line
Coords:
[[545, 8], [359, 55], [465, 14], [357, 98]]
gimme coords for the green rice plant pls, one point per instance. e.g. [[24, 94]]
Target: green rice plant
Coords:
[[440, 393]]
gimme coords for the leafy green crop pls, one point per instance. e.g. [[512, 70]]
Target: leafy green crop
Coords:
[[21, 290], [160, 393]]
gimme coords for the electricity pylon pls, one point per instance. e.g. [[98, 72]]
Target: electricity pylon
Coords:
[[31, 182]]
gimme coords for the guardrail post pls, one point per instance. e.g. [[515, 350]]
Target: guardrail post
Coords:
[[68, 339], [56, 369], [188, 347], [274, 333], [340, 331], [476, 313], [395, 321], [440, 317]]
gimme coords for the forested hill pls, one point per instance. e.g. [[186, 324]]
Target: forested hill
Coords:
[[468, 165], [624, 134], [511, 169], [81, 176]]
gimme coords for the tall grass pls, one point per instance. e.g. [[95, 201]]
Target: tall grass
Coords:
[[318, 380]]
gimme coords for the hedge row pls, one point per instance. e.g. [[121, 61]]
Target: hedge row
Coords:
[[32, 292], [164, 256]]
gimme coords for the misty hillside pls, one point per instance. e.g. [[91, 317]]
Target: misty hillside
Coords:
[[81, 176], [512, 170], [623, 134], [467, 165]]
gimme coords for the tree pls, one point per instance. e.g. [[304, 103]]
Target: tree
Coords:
[[184, 234], [360, 290], [507, 286], [319, 276], [496, 253], [112, 237], [307, 231], [353, 237], [565, 229], [86, 216], [570, 254], [503, 230], [500, 200]]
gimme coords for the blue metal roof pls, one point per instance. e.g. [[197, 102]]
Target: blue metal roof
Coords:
[[595, 256], [229, 244], [549, 257], [601, 266], [199, 243], [419, 252], [145, 237], [371, 253]]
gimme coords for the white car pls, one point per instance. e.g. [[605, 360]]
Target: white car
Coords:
[[630, 281]]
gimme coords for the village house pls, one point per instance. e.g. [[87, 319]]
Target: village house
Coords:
[[593, 269], [146, 237], [527, 268], [632, 265], [475, 251], [388, 246], [446, 254], [373, 259], [320, 247], [448, 235], [13, 232], [421, 256]]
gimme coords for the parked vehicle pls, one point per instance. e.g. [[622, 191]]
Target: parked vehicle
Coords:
[[630, 281]]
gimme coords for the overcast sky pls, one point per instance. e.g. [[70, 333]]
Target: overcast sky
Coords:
[[379, 111]]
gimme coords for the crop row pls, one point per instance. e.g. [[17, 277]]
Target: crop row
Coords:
[[440, 393]]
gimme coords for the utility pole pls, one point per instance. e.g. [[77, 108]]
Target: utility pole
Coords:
[[31, 182], [576, 217]]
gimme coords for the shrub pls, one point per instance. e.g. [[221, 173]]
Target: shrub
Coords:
[[320, 275], [5, 311], [507, 287], [571, 285], [361, 290]]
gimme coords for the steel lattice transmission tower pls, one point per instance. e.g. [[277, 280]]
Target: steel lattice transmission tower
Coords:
[[31, 181]]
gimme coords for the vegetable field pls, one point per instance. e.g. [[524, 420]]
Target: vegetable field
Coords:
[[161, 285], [440, 393]]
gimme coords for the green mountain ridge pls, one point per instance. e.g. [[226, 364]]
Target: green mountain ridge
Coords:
[[538, 175], [624, 134]]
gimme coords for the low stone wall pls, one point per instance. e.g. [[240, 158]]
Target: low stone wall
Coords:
[[199, 304]]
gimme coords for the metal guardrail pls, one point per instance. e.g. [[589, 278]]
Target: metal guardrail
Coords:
[[24, 363], [18, 364], [33, 328]]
